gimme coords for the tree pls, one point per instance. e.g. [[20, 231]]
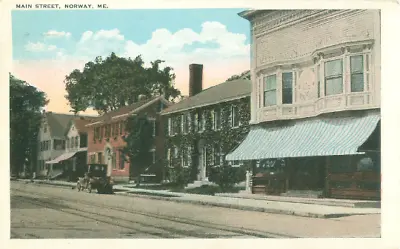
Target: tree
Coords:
[[26, 104], [110, 83], [243, 75], [139, 142]]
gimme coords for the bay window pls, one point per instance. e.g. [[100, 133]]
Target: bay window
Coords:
[[357, 73], [333, 77], [287, 88], [270, 90]]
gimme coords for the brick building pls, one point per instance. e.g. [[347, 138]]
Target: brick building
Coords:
[[315, 103], [202, 128], [105, 137]]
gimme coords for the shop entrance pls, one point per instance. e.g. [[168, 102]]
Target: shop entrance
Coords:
[[306, 173]]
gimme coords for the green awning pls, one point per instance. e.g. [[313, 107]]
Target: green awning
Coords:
[[310, 137]]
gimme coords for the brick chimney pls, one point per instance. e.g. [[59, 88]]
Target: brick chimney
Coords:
[[195, 79]]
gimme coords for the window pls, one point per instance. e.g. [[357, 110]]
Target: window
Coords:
[[235, 116], [153, 122], [333, 77], [58, 144], [99, 157], [319, 81], [217, 119], [121, 127], [117, 129], [259, 93], [212, 155], [357, 73], [121, 160], [108, 131], [169, 126], [185, 123], [185, 157], [217, 157], [175, 152], [196, 122], [270, 90], [287, 88], [235, 163], [77, 142], [169, 157], [153, 156], [114, 161], [92, 158], [201, 122]]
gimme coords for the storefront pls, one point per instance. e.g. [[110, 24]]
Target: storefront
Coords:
[[331, 156]]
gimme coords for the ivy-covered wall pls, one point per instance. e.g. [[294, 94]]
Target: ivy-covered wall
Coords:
[[227, 138]]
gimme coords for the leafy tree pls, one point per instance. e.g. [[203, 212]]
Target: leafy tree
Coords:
[[107, 84], [139, 142], [26, 104], [243, 75]]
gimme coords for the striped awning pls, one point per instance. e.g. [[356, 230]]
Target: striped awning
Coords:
[[312, 137], [65, 156]]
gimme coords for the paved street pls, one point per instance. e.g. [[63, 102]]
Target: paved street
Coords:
[[42, 211]]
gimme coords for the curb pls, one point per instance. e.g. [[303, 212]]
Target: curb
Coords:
[[239, 207], [214, 204]]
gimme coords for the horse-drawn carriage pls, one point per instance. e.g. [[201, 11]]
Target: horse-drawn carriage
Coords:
[[96, 178]]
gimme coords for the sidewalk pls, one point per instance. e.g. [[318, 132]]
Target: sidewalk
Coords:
[[250, 204]]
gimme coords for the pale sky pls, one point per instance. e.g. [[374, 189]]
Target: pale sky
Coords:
[[44, 51]]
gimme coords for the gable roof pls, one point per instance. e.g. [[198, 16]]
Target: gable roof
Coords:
[[223, 92], [59, 123], [126, 110], [80, 123]]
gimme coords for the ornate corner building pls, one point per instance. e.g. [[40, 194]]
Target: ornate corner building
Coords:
[[315, 103]]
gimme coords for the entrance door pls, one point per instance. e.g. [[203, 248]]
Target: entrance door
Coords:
[[202, 176]]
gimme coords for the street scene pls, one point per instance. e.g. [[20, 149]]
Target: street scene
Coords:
[[214, 123]]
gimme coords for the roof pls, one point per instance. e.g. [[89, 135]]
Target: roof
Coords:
[[58, 123], [249, 14], [81, 122], [307, 138], [223, 92], [129, 109]]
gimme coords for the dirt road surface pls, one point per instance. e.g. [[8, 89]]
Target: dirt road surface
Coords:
[[43, 211]]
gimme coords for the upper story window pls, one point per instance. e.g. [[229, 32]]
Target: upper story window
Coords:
[[77, 142], [333, 77], [287, 88], [357, 73], [201, 122], [319, 80], [235, 116], [217, 119], [172, 126], [270, 90], [185, 123]]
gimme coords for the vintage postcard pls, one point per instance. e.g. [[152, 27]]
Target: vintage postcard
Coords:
[[139, 121]]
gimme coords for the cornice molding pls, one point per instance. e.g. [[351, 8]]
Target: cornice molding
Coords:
[[274, 20]]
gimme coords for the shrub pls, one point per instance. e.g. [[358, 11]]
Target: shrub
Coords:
[[226, 176]]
